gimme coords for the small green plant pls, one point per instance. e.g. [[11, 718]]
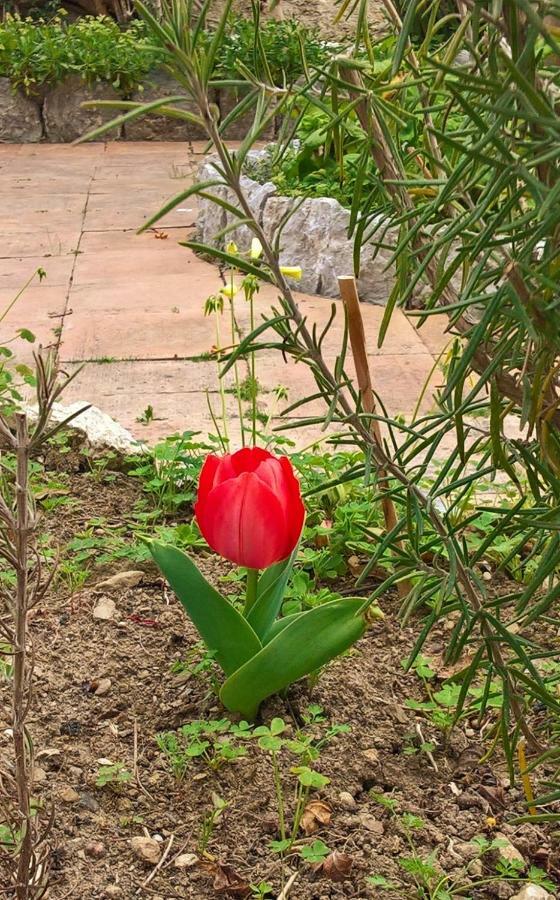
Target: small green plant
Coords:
[[33, 53], [315, 853], [431, 883], [269, 739], [169, 472], [261, 890], [209, 822], [113, 775], [147, 416], [213, 741]]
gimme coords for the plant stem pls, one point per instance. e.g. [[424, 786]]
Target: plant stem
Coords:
[[279, 796], [251, 590], [234, 338], [20, 658], [253, 377], [220, 382], [301, 803]]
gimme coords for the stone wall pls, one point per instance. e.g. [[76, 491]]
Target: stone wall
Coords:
[[56, 114]]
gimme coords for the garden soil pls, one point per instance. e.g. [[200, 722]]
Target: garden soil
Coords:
[[77, 726]]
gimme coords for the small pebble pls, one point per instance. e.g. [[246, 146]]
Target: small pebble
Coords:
[[146, 849], [95, 850], [88, 801], [103, 687], [186, 861], [68, 795], [371, 755], [105, 610], [347, 800]]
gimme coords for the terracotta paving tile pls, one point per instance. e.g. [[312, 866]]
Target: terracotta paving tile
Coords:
[[432, 333], [168, 388], [139, 299], [101, 216], [143, 333], [44, 242], [127, 239], [114, 267], [13, 270]]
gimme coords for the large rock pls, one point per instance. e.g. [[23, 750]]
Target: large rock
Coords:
[[212, 218], [20, 116], [154, 127], [64, 118], [314, 236]]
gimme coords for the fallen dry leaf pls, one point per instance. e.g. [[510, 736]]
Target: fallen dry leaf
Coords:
[[337, 866], [227, 881], [315, 814]]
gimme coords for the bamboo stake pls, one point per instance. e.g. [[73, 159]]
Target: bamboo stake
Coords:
[[349, 293]]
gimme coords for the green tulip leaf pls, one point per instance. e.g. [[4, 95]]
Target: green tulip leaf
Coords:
[[306, 644], [224, 630], [279, 626], [270, 594]]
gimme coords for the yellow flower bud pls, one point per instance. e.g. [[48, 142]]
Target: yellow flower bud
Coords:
[[229, 291], [294, 272], [256, 248]]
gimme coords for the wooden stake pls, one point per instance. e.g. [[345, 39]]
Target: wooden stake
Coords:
[[351, 300]]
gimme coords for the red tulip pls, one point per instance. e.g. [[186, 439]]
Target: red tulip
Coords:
[[249, 507]]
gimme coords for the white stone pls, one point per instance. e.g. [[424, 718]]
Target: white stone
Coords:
[[146, 849], [508, 852], [127, 579], [533, 892], [105, 610], [186, 861], [101, 432]]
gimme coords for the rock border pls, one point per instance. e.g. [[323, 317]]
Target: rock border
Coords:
[[54, 113], [315, 236]]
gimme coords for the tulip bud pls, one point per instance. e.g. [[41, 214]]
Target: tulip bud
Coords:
[[249, 507]]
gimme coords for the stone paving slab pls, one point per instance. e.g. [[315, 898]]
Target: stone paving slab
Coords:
[[129, 307]]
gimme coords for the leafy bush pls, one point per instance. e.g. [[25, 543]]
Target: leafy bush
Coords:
[[35, 52], [281, 42], [97, 49]]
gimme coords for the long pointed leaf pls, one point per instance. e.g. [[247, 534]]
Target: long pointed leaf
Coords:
[[309, 642], [224, 630]]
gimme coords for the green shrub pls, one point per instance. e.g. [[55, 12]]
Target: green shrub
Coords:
[[97, 49], [35, 52], [281, 42]]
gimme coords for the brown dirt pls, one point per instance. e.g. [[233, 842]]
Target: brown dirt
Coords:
[[366, 689]]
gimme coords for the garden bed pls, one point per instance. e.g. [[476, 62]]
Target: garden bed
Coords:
[[106, 687]]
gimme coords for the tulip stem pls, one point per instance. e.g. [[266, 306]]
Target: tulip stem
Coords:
[[251, 591]]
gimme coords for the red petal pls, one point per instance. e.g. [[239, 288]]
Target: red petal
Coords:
[[270, 471], [243, 521], [295, 510], [207, 474], [248, 459]]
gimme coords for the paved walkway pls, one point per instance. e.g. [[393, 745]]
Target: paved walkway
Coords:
[[131, 307]]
